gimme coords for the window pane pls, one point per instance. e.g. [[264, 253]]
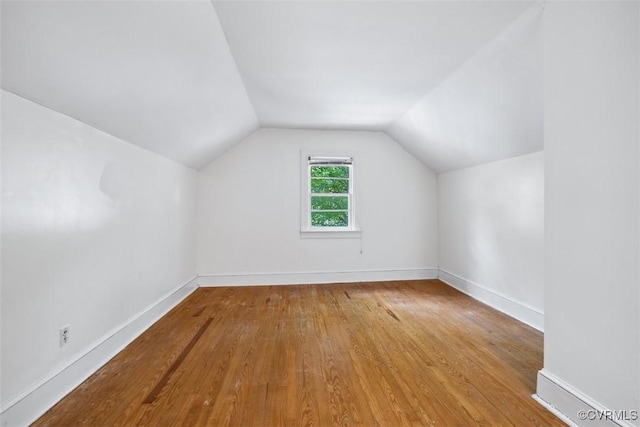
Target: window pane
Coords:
[[330, 203], [328, 185], [329, 219], [330, 171]]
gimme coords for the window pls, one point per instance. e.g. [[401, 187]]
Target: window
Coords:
[[327, 197]]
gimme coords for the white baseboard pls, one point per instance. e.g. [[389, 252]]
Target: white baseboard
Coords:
[[33, 402], [571, 405], [316, 277], [508, 306], [554, 411]]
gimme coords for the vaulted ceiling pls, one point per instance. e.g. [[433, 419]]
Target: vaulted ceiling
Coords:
[[187, 79]]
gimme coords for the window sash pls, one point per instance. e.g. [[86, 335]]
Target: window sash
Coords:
[[337, 162]]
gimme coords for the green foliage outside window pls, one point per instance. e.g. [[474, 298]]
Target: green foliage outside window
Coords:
[[329, 219], [329, 185], [329, 203], [329, 196], [329, 171]]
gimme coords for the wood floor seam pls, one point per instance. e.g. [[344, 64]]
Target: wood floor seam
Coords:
[[153, 394]]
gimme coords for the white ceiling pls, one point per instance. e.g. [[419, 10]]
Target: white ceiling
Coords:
[[157, 74], [488, 109], [352, 65], [187, 79]]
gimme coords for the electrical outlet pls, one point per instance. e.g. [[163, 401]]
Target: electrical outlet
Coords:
[[64, 335]]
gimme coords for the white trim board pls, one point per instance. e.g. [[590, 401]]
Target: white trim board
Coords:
[[303, 278], [554, 411], [33, 402], [567, 402], [517, 310]]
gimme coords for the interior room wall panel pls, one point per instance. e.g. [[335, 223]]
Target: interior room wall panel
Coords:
[[94, 231], [491, 231], [592, 139], [249, 207]]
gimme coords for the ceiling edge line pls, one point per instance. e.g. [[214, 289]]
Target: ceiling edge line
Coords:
[[534, 4], [235, 63], [99, 129]]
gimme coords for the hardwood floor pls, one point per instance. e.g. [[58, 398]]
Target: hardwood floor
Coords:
[[372, 354]]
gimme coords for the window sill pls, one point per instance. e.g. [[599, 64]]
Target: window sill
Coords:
[[330, 234]]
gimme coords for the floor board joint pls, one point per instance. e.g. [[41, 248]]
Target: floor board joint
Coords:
[[151, 397]]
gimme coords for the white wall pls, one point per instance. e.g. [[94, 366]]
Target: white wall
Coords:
[[592, 72], [491, 233], [94, 231], [249, 207]]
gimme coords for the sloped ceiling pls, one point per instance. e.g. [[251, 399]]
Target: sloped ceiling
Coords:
[[158, 74], [489, 109], [187, 79], [352, 65]]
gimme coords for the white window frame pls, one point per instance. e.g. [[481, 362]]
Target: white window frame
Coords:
[[307, 231]]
